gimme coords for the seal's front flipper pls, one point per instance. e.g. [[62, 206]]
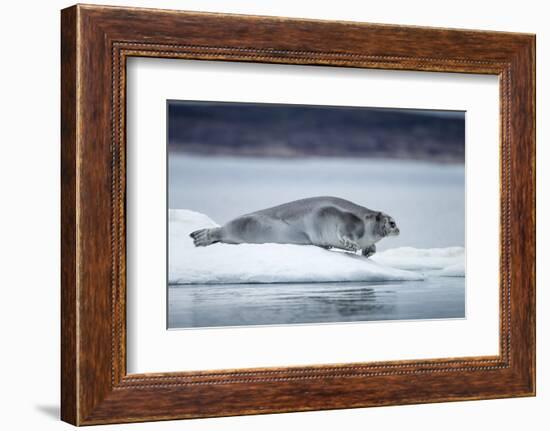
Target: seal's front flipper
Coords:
[[369, 251], [205, 237], [348, 244]]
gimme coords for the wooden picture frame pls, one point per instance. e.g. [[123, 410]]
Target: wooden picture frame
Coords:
[[95, 43]]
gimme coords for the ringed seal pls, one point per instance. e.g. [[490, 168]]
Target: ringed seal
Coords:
[[326, 222]]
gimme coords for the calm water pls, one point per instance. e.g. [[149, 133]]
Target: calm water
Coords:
[[280, 304]]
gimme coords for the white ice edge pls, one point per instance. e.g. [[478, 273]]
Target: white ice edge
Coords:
[[286, 263]]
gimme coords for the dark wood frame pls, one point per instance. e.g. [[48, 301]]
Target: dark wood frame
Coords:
[[95, 43]]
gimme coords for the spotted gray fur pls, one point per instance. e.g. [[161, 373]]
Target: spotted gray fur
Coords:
[[326, 222]]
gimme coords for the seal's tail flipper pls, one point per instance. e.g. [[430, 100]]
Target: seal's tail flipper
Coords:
[[205, 237]]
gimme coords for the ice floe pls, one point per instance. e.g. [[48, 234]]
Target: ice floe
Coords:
[[437, 261], [286, 263]]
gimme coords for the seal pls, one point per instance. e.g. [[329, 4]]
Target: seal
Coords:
[[326, 222]]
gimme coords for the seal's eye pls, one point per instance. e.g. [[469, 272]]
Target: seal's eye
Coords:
[[392, 224]]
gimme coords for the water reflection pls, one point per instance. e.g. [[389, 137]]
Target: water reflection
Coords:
[[192, 306]]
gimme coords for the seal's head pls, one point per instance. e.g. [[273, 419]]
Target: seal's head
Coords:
[[385, 225]]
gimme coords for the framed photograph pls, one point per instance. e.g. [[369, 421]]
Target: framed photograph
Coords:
[[263, 214]]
